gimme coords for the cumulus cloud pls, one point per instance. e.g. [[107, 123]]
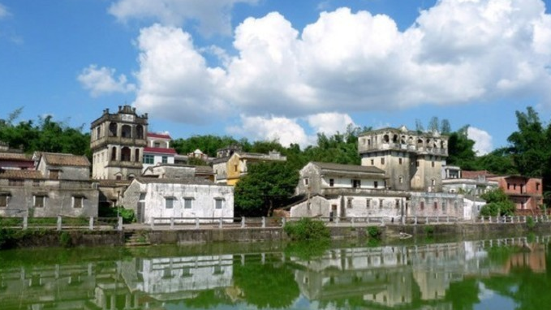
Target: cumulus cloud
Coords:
[[100, 81], [483, 140], [330, 123], [213, 16], [281, 129], [174, 80], [345, 62]]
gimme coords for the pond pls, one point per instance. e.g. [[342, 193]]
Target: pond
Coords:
[[482, 274]]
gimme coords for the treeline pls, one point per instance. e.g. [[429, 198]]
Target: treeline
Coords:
[[45, 135]]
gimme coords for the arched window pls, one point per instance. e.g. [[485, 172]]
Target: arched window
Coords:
[[126, 131], [113, 129], [98, 132], [137, 155], [114, 153], [139, 132], [125, 154], [386, 139]]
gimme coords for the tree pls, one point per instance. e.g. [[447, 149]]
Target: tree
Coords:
[[460, 150], [497, 203], [266, 186]]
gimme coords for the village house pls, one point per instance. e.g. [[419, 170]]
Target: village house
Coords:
[[60, 185], [187, 197], [158, 150], [331, 190], [525, 192], [14, 159], [231, 163]]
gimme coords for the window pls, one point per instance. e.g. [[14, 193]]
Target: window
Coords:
[[148, 159], [78, 201], [356, 183], [422, 205], [367, 203], [187, 202], [331, 182], [13, 182], [537, 186], [433, 182], [157, 144], [39, 201], [400, 160], [142, 196], [444, 207], [235, 169], [4, 199], [372, 162], [432, 163], [435, 205], [164, 159], [381, 203], [306, 180], [54, 174], [375, 184], [397, 203], [401, 180], [218, 203], [382, 160], [508, 186], [349, 203], [169, 202]]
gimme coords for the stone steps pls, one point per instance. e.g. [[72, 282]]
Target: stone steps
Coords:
[[136, 239]]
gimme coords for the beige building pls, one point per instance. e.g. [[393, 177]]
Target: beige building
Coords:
[[117, 143], [412, 160], [231, 163]]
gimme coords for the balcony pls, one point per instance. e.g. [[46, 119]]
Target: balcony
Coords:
[[118, 141]]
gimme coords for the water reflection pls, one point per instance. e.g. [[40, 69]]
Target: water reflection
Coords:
[[461, 275]]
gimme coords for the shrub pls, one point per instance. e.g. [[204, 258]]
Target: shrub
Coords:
[[429, 230], [307, 230], [374, 232], [65, 239], [530, 223], [127, 215]]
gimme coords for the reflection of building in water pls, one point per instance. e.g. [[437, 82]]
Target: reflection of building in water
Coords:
[[533, 258], [177, 278]]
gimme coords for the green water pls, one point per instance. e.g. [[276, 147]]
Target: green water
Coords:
[[484, 274]]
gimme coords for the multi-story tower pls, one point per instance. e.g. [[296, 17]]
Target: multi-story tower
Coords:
[[411, 160], [117, 143]]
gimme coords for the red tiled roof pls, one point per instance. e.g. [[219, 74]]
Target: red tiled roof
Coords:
[[58, 159], [158, 135], [475, 174], [21, 174], [159, 150], [15, 156]]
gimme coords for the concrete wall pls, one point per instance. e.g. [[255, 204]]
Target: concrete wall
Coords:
[[436, 204], [203, 200], [59, 196]]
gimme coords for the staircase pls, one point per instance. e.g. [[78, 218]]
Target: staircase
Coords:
[[136, 238]]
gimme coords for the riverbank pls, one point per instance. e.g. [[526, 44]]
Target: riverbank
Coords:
[[141, 236]]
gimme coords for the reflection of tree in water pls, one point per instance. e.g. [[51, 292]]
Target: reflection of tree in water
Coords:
[[266, 285], [463, 295], [208, 299], [529, 289]]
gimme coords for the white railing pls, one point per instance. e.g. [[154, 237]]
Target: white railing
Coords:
[[62, 223]]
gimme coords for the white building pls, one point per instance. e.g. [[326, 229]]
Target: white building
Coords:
[[158, 150], [179, 198]]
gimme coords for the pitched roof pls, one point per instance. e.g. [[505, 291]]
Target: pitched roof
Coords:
[[202, 170], [158, 135], [20, 174], [332, 167], [465, 174], [59, 159], [159, 150], [15, 156]]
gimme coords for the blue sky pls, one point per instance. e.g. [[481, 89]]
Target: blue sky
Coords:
[[284, 69]]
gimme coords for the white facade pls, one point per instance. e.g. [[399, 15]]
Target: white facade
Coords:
[[179, 198]]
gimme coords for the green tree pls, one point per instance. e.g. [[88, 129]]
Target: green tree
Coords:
[[497, 203], [266, 186], [460, 150]]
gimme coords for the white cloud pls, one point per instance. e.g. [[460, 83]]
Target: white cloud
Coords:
[[213, 16], [330, 123], [282, 129], [3, 11], [174, 80], [457, 52], [483, 140], [100, 81]]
